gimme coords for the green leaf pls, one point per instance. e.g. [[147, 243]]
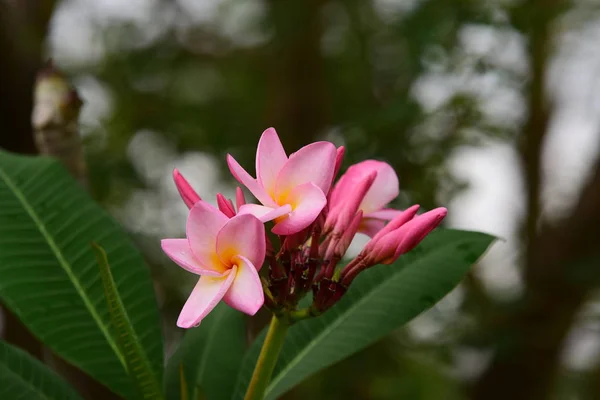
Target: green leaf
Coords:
[[138, 366], [210, 356], [380, 300], [49, 275], [22, 377]]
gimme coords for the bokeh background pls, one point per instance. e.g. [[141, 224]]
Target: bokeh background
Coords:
[[490, 108]]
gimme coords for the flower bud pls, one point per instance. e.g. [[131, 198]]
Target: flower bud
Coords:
[[347, 236], [225, 206], [416, 230], [341, 215], [187, 193]]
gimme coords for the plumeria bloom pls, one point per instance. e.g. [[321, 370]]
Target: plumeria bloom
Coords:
[[293, 191], [227, 254], [383, 190], [227, 245]]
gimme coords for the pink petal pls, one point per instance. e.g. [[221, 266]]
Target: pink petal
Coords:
[[203, 225], [187, 193], [385, 214], [265, 214], [348, 235], [339, 158], [370, 226], [270, 158], [240, 200], [245, 179], [246, 293], [179, 251], [313, 163], [307, 202], [243, 235], [206, 295], [385, 188], [351, 202]]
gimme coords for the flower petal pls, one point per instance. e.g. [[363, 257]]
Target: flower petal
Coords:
[[339, 158], [370, 226], [245, 179], [180, 252], [246, 293], [265, 214], [313, 163], [243, 235], [240, 200], [187, 193], [385, 188], [270, 158], [205, 296], [307, 201], [203, 225], [385, 214]]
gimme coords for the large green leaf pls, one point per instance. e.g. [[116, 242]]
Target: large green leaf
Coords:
[[49, 276], [209, 356], [22, 377], [138, 366], [378, 302]]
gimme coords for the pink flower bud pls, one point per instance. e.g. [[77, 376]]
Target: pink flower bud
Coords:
[[188, 194], [402, 218], [348, 235], [342, 213], [416, 230], [401, 235], [225, 206]]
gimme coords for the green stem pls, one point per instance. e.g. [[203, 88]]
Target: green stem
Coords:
[[267, 359]]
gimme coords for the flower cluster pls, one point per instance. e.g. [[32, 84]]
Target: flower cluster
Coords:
[[312, 224]]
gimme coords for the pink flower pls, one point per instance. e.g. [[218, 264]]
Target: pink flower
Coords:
[[384, 189], [292, 190], [227, 254]]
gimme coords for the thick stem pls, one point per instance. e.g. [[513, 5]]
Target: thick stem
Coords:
[[267, 359]]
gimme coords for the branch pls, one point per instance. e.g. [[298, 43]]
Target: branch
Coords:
[[56, 121]]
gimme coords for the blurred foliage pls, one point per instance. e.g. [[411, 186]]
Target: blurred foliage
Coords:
[[327, 66]]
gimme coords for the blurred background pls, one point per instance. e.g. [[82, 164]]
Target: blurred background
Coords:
[[491, 109]]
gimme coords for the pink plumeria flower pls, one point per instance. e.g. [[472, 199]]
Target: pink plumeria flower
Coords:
[[292, 190], [384, 189], [227, 254]]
